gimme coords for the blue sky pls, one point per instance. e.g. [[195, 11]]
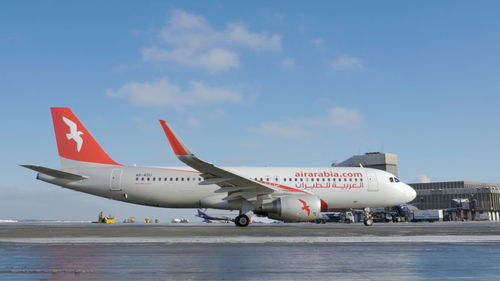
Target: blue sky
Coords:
[[279, 83]]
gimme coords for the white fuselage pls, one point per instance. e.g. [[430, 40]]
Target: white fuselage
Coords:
[[178, 187]]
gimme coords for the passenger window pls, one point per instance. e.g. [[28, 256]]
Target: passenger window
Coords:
[[148, 179], [350, 179], [136, 179], [360, 179], [165, 179], [182, 179], [142, 179], [301, 179], [176, 179], [154, 179], [284, 179], [187, 179]]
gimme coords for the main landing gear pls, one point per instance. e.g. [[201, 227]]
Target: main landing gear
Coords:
[[367, 217], [242, 220]]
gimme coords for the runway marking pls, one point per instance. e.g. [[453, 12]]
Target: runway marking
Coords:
[[257, 240]]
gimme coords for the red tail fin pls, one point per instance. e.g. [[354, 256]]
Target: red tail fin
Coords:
[[74, 142]]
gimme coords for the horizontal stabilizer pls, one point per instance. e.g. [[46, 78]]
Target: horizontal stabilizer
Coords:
[[55, 173]]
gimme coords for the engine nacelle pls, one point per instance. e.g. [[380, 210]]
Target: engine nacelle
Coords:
[[294, 208]]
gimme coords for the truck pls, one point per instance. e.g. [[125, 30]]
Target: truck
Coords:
[[345, 217], [427, 215]]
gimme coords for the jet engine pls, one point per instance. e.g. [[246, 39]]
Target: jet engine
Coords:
[[293, 208]]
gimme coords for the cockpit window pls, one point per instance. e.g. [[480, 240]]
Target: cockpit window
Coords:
[[396, 180], [391, 179]]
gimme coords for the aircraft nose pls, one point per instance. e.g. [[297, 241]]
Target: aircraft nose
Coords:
[[411, 193]]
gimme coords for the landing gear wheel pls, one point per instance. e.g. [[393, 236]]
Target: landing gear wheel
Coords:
[[368, 222], [242, 220]]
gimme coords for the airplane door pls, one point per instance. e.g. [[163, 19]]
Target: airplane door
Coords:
[[372, 181], [115, 181]]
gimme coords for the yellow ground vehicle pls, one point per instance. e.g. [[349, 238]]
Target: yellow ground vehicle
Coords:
[[103, 219]]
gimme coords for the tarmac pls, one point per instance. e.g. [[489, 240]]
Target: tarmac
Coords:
[[305, 251], [222, 233]]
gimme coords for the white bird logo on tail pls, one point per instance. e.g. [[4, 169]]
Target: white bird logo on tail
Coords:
[[74, 133]]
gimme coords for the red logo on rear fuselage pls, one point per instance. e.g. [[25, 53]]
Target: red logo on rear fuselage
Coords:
[[305, 207], [74, 134]]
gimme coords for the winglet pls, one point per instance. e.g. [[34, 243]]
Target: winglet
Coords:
[[177, 146]]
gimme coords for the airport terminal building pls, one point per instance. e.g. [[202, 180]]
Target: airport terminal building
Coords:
[[376, 160], [460, 200], [483, 199]]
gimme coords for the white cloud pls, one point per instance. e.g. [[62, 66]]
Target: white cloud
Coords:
[[288, 63], [423, 179], [301, 28], [335, 117], [193, 122], [275, 129], [320, 44], [236, 33], [250, 144], [344, 117], [191, 41], [214, 60], [345, 63], [165, 93]]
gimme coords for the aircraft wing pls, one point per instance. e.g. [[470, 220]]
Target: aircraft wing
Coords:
[[237, 186]]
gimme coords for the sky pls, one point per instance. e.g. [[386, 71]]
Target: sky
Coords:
[[275, 83]]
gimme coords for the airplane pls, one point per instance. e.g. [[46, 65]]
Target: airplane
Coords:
[[210, 219], [281, 193]]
